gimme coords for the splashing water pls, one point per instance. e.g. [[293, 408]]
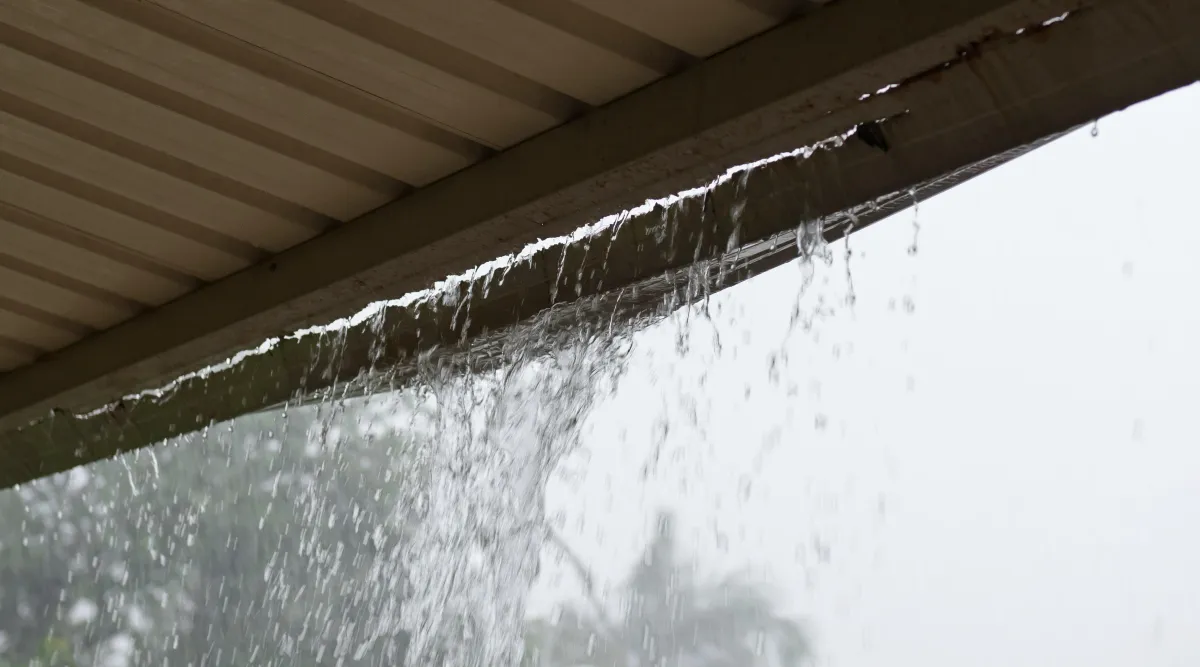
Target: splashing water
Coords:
[[475, 500], [916, 223], [403, 527], [393, 519], [498, 505]]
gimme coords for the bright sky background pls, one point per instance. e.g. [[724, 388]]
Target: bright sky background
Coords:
[[992, 459]]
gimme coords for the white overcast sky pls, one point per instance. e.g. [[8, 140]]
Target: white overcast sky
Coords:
[[1009, 474]]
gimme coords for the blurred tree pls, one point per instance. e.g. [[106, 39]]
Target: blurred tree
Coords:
[[669, 621], [251, 544]]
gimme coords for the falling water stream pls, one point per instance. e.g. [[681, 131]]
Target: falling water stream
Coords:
[[405, 527], [375, 524], [691, 489]]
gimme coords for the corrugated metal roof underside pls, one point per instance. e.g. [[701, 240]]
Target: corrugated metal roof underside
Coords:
[[148, 147]]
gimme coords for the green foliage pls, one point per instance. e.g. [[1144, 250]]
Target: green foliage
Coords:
[[53, 652], [56, 652]]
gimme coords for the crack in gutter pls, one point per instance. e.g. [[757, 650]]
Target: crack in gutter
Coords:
[[972, 50]]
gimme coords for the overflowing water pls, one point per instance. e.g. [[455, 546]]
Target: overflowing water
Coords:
[[404, 528], [802, 469], [474, 498], [396, 518]]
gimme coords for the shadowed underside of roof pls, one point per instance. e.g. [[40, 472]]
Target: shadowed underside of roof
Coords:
[[150, 147], [182, 179]]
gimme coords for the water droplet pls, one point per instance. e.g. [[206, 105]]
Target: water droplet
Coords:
[[916, 222]]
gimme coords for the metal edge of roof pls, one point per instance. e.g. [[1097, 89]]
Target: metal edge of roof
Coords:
[[1003, 96], [790, 86]]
